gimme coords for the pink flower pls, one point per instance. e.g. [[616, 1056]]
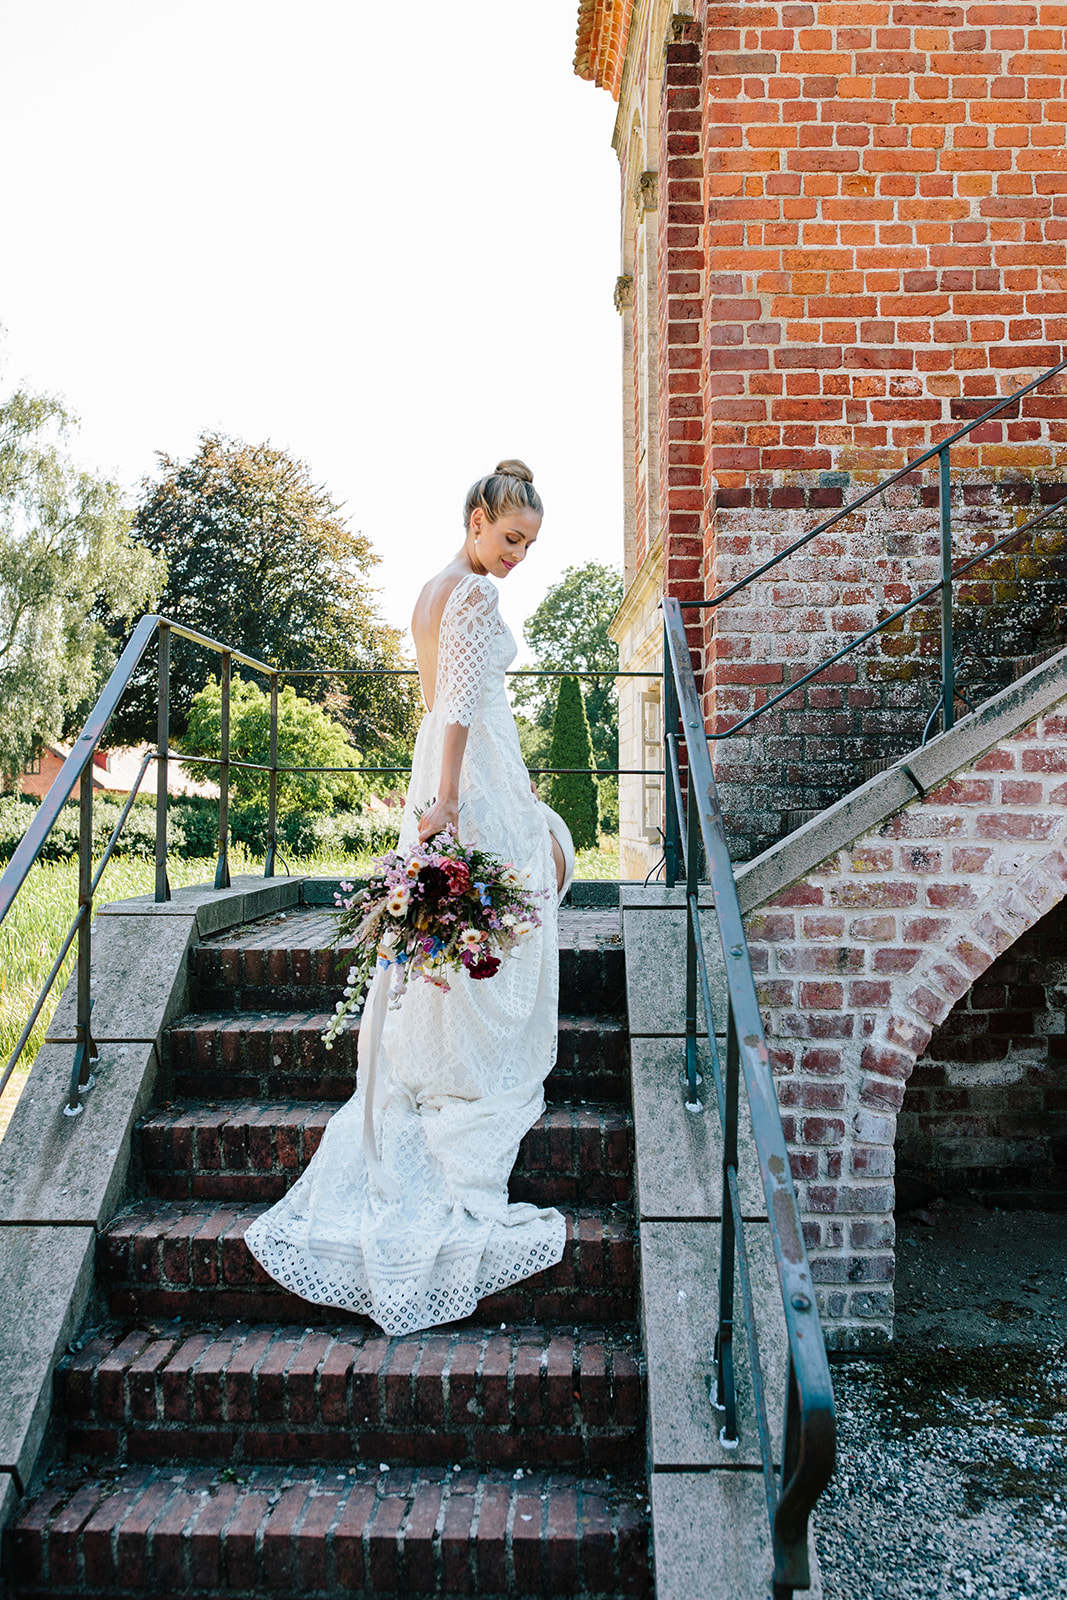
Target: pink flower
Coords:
[[459, 878]]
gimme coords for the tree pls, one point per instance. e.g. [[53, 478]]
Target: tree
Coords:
[[260, 557], [573, 794], [65, 553], [569, 632], [307, 737]]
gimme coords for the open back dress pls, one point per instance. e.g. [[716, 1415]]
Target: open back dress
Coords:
[[418, 1233]]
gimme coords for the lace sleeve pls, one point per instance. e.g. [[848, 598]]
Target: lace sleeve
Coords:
[[469, 623]]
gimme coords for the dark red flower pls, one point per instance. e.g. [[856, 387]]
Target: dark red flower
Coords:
[[484, 968], [433, 887]]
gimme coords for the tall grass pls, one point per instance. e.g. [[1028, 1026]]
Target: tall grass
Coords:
[[33, 930]]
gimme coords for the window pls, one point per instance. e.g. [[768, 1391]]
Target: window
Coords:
[[651, 756]]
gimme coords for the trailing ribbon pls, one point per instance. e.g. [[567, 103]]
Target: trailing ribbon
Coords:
[[371, 1028]]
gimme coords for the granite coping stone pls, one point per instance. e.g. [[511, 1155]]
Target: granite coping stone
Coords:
[[679, 1301], [1008, 712], [140, 980], [711, 1538], [654, 931], [60, 1169], [9, 1500], [46, 1275], [679, 1152], [216, 909]]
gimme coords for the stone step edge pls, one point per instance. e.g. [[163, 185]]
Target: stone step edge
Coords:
[[170, 1258], [307, 1020], [112, 1370], [420, 1532]]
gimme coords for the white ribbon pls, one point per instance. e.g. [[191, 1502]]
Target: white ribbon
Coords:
[[371, 1027]]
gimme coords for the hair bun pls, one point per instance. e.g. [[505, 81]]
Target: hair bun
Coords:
[[513, 469]]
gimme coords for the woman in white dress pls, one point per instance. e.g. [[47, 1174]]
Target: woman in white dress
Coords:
[[411, 1224]]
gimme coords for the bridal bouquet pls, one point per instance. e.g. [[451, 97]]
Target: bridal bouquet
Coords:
[[437, 910]]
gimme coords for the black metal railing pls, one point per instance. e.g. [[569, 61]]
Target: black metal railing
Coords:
[[694, 821], [77, 773], [950, 574]]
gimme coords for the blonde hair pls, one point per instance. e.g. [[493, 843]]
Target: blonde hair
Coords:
[[509, 487]]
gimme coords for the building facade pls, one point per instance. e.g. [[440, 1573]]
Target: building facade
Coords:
[[844, 234], [844, 237]]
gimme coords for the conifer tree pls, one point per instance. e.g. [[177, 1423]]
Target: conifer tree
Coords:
[[573, 794]]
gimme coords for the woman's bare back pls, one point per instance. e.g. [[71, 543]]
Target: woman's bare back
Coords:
[[426, 623]]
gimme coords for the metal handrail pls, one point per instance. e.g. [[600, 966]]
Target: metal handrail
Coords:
[[949, 573], [809, 1429], [76, 772]]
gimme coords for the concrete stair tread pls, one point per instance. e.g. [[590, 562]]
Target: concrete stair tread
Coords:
[[254, 1150], [567, 1397], [182, 1257], [145, 1530]]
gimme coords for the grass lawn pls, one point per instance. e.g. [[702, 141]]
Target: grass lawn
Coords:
[[33, 929]]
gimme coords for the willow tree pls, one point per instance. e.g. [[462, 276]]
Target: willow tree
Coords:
[[66, 557]]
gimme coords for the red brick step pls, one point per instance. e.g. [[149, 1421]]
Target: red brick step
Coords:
[[250, 1151], [188, 1258], [291, 961], [320, 1533], [271, 1055], [569, 1398]]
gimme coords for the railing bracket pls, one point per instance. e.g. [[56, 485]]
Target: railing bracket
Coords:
[[912, 779]]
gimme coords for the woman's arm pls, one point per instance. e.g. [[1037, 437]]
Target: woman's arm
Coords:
[[445, 809]]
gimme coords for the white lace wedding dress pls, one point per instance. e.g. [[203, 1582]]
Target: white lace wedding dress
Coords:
[[459, 1074]]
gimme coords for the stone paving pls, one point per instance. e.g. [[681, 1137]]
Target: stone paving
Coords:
[[952, 1455]]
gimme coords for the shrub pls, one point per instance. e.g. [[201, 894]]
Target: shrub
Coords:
[[307, 737], [573, 794], [138, 836], [198, 818], [609, 804]]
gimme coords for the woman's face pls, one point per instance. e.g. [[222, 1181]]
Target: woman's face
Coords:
[[501, 545]]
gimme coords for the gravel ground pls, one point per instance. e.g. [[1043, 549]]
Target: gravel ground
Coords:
[[952, 1455]]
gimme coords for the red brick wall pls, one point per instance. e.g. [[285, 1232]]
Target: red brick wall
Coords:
[[872, 706], [860, 961], [681, 292], [886, 230], [885, 253], [986, 1108]]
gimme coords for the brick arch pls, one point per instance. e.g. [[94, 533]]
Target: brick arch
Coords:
[[860, 959]]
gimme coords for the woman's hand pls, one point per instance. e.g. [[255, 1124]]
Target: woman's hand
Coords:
[[442, 814]]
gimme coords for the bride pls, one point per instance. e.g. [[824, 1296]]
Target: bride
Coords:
[[415, 1229]]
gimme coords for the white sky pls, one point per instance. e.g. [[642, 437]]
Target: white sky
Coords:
[[384, 236]]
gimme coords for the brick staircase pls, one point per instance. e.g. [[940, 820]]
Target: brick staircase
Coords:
[[220, 1437]]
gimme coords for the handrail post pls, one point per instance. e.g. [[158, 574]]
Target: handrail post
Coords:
[[272, 803], [948, 665], [163, 764], [85, 1050], [725, 1389], [692, 903], [222, 866], [671, 819]]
